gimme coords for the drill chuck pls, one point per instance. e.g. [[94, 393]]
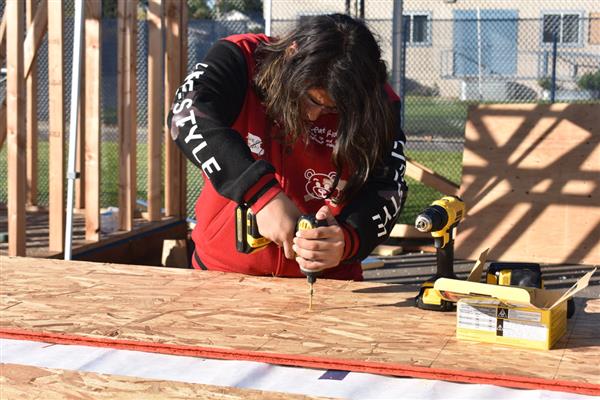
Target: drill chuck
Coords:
[[432, 219]]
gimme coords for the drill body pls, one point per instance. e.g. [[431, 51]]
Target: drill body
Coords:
[[441, 219]]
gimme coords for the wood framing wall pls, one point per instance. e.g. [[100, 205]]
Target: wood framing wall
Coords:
[[531, 181], [18, 113]]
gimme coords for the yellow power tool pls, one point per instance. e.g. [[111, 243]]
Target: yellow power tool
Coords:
[[249, 240], [441, 219]]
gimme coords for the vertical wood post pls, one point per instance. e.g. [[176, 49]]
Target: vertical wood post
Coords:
[[183, 37], [127, 21], [155, 106], [173, 159], [32, 120], [56, 185], [15, 121], [79, 152], [92, 46]]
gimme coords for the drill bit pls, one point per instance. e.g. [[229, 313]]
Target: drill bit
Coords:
[[311, 278]]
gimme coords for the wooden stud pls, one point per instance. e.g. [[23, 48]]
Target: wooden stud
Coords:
[[35, 35], [173, 178], [3, 37], [127, 15], [15, 122], [427, 176], [56, 140], [2, 122], [93, 27], [31, 119], [183, 38], [155, 106], [79, 203]]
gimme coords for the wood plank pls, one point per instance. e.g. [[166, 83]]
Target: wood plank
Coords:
[[56, 110], [531, 183], [430, 178], [35, 35], [350, 321], [27, 382], [127, 14], [79, 187], [387, 250], [3, 37], [155, 107], [173, 78], [15, 127], [32, 118], [2, 122], [407, 231], [183, 39], [93, 29]]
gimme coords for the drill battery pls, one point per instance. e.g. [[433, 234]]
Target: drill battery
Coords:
[[520, 274], [515, 274], [247, 237]]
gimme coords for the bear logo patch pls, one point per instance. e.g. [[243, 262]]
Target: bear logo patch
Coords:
[[318, 185]]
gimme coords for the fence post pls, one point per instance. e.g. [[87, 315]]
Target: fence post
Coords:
[[397, 53], [554, 53], [402, 94]]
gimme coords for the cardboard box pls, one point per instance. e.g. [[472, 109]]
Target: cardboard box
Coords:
[[516, 316]]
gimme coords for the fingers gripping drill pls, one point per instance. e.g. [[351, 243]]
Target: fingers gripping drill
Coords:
[[249, 239]]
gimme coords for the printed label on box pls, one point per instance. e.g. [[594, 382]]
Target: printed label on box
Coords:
[[525, 315], [480, 318], [522, 331]]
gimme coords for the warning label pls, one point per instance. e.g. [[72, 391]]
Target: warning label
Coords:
[[479, 318], [500, 320]]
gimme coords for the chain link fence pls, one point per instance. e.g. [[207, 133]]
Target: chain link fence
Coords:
[[456, 53]]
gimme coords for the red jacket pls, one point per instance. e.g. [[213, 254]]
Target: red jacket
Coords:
[[304, 174]]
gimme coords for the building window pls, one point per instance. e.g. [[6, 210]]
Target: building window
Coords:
[[418, 28], [565, 25]]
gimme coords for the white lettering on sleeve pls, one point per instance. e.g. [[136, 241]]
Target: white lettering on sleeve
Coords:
[[179, 106], [181, 122], [208, 165]]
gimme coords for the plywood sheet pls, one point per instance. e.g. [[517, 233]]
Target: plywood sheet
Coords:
[[350, 321], [531, 183], [27, 382]]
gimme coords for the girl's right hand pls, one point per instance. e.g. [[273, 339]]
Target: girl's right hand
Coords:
[[277, 222]]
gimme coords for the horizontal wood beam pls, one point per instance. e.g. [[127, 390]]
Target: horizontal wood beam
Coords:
[[408, 231], [428, 177]]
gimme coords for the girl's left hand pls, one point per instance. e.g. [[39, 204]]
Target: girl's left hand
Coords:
[[320, 248]]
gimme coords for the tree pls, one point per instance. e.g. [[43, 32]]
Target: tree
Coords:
[[199, 9], [245, 6]]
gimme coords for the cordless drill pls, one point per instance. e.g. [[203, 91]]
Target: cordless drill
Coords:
[[441, 219], [306, 222], [249, 240]]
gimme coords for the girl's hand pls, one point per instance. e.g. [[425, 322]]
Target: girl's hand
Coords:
[[277, 222], [320, 248]]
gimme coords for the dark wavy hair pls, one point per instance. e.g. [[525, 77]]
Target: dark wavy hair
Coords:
[[339, 54]]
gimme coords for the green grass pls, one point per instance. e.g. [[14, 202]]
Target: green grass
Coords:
[[434, 116]]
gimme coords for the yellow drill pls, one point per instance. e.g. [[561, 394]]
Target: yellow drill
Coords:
[[441, 219]]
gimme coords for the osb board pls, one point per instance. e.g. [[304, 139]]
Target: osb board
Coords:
[[27, 382], [531, 183], [361, 321]]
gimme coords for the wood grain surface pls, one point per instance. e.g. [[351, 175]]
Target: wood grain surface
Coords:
[[349, 321], [27, 382]]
